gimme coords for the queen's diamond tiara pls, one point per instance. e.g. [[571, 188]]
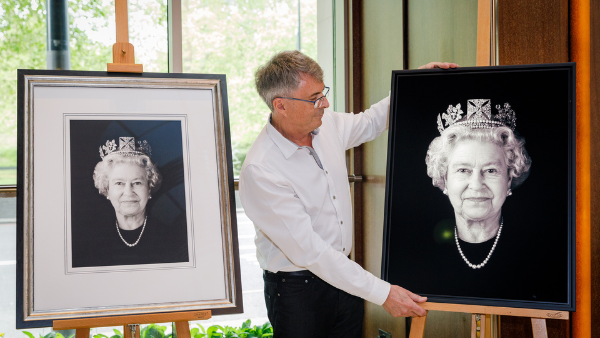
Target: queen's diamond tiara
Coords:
[[479, 115], [127, 147]]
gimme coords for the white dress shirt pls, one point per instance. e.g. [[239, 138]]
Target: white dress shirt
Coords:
[[302, 213]]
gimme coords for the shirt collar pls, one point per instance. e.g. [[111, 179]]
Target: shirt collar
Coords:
[[286, 146]]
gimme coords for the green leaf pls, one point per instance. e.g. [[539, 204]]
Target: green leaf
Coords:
[[71, 336], [117, 332], [267, 326], [51, 335], [28, 334], [201, 328], [247, 324], [100, 335]]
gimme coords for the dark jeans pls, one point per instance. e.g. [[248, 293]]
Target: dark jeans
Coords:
[[307, 307]]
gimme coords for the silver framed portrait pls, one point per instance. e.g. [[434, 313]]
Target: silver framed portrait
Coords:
[[480, 191], [125, 196]]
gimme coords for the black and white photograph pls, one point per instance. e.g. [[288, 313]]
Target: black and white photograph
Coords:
[[128, 204], [480, 189], [124, 181]]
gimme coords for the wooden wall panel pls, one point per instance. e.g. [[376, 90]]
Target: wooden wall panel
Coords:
[[533, 31], [381, 53], [595, 163]]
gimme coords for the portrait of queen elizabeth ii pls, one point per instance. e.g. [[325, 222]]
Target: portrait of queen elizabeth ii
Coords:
[[127, 177], [477, 161], [479, 204], [128, 205]]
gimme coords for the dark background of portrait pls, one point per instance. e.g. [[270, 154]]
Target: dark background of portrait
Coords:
[[95, 241], [532, 262]]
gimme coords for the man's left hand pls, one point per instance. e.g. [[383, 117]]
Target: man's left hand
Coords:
[[443, 65]]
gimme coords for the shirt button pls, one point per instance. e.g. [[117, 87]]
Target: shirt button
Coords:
[[341, 222], [327, 172], [344, 249], [333, 197]]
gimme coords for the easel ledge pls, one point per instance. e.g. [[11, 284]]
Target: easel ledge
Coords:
[[482, 315], [493, 310], [181, 319]]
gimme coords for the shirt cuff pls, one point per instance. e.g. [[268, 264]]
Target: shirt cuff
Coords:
[[380, 292]]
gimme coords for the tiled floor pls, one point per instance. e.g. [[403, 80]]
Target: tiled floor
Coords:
[[252, 284]]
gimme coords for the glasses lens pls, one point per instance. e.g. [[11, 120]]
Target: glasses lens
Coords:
[[319, 102]]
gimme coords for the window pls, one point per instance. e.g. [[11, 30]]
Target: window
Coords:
[[234, 37]]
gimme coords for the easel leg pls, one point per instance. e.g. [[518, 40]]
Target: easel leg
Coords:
[[417, 327], [483, 327], [82, 333], [183, 329], [488, 326], [539, 328]]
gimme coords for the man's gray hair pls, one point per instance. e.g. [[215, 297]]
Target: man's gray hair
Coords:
[[281, 75]]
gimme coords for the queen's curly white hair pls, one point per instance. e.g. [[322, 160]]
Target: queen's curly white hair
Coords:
[[517, 159], [102, 170]]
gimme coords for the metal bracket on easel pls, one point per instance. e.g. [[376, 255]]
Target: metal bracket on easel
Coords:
[[133, 328]]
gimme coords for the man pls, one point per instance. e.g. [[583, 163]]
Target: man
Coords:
[[294, 187]]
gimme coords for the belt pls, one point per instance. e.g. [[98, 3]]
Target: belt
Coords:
[[301, 273]]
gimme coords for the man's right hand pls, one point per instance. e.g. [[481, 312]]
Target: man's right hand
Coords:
[[403, 303]]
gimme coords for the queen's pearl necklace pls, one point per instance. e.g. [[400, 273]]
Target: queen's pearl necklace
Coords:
[[473, 266], [144, 227]]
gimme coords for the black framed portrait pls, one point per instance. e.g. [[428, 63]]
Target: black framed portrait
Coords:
[[125, 196], [480, 191]]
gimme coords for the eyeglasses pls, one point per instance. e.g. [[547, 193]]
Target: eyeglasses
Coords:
[[318, 103]]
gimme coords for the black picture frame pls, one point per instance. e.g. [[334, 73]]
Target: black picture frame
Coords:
[[201, 128], [535, 253]]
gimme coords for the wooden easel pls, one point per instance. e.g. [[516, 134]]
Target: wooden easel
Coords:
[[123, 53], [538, 317], [131, 324]]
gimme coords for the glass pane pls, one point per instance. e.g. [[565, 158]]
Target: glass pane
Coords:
[[22, 45], [148, 34], [92, 34], [234, 37], [442, 31]]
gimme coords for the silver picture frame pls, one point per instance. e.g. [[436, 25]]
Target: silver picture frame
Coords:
[[49, 285]]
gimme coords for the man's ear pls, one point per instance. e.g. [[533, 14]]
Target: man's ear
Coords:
[[279, 106]]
